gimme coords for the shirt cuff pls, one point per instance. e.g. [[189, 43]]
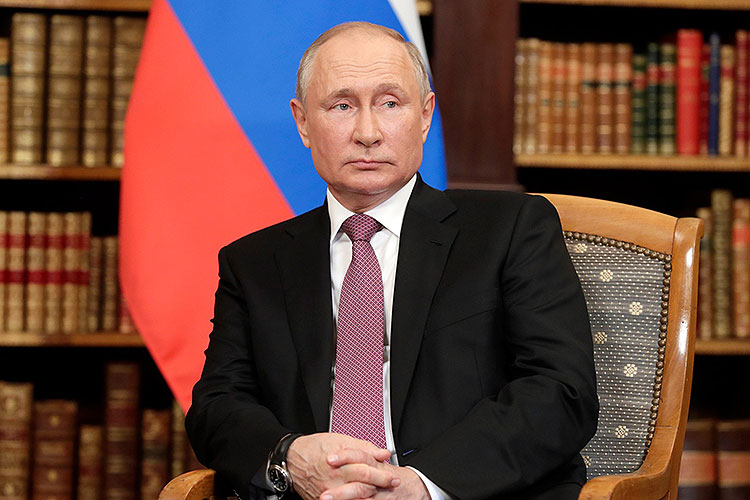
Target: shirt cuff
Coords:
[[435, 491]]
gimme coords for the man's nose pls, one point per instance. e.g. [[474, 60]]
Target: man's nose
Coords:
[[367, 128]]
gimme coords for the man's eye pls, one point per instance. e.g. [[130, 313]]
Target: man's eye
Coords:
[[390, 104], [342, 107]]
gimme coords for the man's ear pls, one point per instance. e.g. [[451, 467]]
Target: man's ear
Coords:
[[427, 110], [300, 117]]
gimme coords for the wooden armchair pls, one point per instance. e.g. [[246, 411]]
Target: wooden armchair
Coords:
[[639, 272]]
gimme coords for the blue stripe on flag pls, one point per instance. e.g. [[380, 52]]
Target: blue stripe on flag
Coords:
[[252, 50]]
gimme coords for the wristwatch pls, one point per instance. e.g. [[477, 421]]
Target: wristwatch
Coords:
[[277, 475]]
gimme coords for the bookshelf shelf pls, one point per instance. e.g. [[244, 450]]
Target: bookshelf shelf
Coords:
[[46, 172], [635, 162], [671, 4], [98, 339], [98, 5], [728, 347]]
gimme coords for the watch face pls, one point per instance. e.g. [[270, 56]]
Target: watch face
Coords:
[[278, 477]]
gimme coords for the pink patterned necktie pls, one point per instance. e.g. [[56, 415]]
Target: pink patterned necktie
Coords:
[[358, 387]]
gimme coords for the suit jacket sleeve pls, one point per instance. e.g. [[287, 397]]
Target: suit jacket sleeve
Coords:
[[534, 426]]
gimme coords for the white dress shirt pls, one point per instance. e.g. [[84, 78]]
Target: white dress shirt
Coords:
[[385, 243]]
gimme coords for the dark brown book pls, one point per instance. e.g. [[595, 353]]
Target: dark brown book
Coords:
[[15, 273], [177, 458], [125, 321], [532, 96], [623, 76], [110, 288], [53, 262], [733, 457], [741, 267], [91, 463], [121, 431], [698, 464], [94, 304], [15, 440], [28, 65], [96, 94], [154, 452], [557, 119], [705, 272], [721, 282], [4, 228], [64, 96], [544, 99], [55, 424], [35, 277], [83, 274], [588, 98], [605, 73], [572, 117], [71, 269], [4, 98]]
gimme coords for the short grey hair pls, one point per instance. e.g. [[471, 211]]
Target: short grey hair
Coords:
[[305, 64]]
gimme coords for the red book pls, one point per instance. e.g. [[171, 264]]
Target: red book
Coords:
[[740, 89], [689, 46]]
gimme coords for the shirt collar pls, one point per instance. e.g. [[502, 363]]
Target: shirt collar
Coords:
[[390, 213]]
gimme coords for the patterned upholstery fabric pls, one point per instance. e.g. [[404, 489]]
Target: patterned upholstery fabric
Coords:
[[626, 289]]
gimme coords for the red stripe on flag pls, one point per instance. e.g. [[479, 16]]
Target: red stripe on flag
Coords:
[[191, 183]]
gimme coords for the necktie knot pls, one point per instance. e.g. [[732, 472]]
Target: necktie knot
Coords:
[[361, 227]]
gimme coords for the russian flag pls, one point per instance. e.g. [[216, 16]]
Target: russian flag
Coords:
[[212, 153]]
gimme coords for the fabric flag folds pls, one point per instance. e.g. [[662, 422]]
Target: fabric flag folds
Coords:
[[212, 153]]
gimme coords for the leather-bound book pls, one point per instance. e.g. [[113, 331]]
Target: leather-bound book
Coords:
[[557, 119], [726, 101], [733, 457], [64, 96], [35, 276], [519, 97], [698, 464], [689, 47], [544, 96], [16, 270], [96, 94], [605, 73], [110, 288], [638, 116], [121, 431], [154, 452], [705, 273], [4, 98], [90, 463], [71, 269], [94, 304], [714, 87], [55, 424], [53, 263], [4, 228], [125, 320], [572, 118], [667, 99], [532, 96], [588, 98], [623, 77], [741, 267], [83, 275], [740, 93], [721, 283], [16, 411], [177, 462], [704, 98], [653, 82]]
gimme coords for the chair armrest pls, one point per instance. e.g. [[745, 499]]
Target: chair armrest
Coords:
[[193, 485]]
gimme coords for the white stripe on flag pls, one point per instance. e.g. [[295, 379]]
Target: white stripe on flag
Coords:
[[406, 12]]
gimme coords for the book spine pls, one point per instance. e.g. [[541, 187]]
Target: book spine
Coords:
[[4, 98], [667, 99], [544, 108], [110, 291], [652, 98], [4, 229], [721, 216], [177, 462], [519, 97], [35, 277], [689, 46], [698, 464], [605, 72], [740, 117], [28, 64], [94, 305], [741, 267], [733, 458], [532, 96], [713, 93], [121, 431], [704, 98], [96, 94], [71, 268], [558, 98], [588, 98], [126, 324], [83, 276], [53, 287], [16, 268], [64, 97], [154, 452], [726, 101], [705, 272], [16, 407], [638, 128], [623, 77], [91, 463], [572, 118], [55, 423]]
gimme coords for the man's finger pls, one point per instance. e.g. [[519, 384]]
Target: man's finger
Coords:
[[350, 491], [354, 456], [366, 474]]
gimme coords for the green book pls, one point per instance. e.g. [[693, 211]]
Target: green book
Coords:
[[638, 100], [652, 98], [667, 99]]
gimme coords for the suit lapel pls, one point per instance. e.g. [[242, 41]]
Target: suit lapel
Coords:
[[305, 271], [423, 251]]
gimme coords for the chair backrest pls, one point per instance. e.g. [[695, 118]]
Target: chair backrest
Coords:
[[638, 270]]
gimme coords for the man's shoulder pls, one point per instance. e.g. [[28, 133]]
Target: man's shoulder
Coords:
[[495, 201]]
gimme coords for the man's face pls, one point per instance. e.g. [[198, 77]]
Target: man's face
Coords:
[[364, 120]]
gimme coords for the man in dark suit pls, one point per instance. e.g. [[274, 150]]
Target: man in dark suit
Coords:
[[487, 377]]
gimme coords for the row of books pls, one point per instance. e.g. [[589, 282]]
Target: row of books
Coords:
[[682, 97], [56, 278], [65, 81], [715, 460], [724, 271], [48, 451]]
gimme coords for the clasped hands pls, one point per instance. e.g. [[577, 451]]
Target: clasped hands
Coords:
[[328, 466]]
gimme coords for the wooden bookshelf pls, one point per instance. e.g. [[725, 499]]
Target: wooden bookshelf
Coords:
[[635, 162], [667, 4], [97, 339], [728, 347], [98, 5], [45, 172]]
